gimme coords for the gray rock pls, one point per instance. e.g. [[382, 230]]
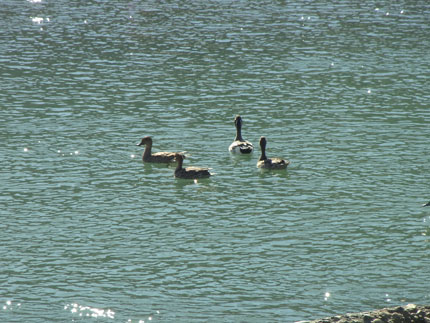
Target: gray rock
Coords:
[[410, 313], [367, 318], [397, 318], [411, 308]]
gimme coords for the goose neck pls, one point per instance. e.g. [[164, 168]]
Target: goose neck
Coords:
[[263, 150], [180, 161], [238, 133], [147, 151]]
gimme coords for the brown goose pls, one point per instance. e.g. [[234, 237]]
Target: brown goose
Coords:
[[190, 172], [160, 157], [240, 145], [270, 163]]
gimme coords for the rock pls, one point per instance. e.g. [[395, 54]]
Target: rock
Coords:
[[367, 318], [397, 318], [411, 308], [399, 309], [384, 315], [409, 313]]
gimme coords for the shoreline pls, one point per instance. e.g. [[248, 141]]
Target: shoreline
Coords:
[[410, 313]]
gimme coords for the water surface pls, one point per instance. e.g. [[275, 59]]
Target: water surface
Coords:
[[89, 233]]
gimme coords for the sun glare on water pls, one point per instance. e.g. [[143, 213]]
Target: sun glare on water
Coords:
[[88, 311]]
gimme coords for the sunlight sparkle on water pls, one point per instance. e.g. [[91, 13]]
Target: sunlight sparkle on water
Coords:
[[9, 306], [25, 149], [326, 296], [37, 20], [89, 311]]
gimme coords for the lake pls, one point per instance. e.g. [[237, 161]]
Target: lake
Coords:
[[90, 233]]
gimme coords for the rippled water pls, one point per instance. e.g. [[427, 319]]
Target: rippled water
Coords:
[[89, 233]]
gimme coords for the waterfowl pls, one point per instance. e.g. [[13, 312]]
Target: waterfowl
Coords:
[[240, 145], [190, 172], [160, 157], [270, 163], [427, 204]]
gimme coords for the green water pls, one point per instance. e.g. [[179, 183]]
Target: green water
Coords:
[[89, 233]]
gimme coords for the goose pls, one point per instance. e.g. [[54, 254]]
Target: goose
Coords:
[[270, 163], [240, 145], [426, 204], [190, 172], [160, 157]]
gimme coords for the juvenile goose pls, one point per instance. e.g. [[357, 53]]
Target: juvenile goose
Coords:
[[240, 145], [160, 157], [190, 172], [270, 163]]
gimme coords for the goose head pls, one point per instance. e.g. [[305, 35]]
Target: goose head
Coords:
[[263, 142], [238, 122], [145, 140]]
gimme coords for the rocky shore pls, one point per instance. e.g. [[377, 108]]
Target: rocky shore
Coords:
[[410, 313]]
